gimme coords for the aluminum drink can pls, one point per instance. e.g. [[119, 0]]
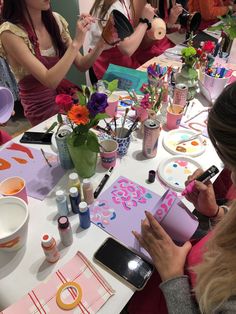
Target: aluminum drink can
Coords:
[[63, 151], [150, 140], [180, 94]]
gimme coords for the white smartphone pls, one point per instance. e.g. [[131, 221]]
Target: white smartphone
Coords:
[[125, 263]]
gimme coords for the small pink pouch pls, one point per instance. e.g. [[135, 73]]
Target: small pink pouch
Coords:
[[42, 299]]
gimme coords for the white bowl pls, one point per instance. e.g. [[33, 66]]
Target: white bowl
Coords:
[[14, 220]]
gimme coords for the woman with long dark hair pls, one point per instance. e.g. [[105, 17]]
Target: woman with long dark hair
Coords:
[[37, 45]]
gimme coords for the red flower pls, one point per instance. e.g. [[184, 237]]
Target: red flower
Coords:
[[64, 102], [208, 46]]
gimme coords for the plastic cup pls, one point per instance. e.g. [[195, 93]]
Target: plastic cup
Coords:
[[175, 218], [174, 116], [108, 156], [14, 186], [122, 140], [111, 109], [6, 104]]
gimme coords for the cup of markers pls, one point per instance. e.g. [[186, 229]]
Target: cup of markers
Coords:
[[214, 81]]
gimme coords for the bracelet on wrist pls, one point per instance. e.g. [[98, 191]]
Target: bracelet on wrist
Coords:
[[146, 21], [216, 214]]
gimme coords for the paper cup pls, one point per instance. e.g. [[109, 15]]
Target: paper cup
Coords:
[[175, 218], [214, 85], [6, 104], [14, 186], [123, 142], [111, 109], [108, 157], [14, 220], [174, 116]]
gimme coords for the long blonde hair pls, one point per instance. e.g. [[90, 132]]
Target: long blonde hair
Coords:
[[216, 275], [104, 6]]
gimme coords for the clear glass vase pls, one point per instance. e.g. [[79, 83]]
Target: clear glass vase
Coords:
[[84, 159], [188, 76]]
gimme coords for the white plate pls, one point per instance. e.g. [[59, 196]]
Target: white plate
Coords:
[[192, 148], [174, 171], [174, 53]]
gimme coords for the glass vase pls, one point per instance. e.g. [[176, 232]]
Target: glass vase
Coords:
[[84, 159], [188, 76]]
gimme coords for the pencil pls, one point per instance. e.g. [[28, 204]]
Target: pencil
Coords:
[[95, 18]]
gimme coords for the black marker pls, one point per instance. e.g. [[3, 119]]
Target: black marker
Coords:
[[207, 175], [102, 183]]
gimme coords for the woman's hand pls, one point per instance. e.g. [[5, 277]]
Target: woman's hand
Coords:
[[175, 12], [83, 25], [148, 12], [203, 196], [168, 258]]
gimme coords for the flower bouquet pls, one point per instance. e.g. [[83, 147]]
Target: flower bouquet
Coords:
[[148, 105], [82, 114]]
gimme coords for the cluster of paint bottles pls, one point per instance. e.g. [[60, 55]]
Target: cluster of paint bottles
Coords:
[[77, 207]]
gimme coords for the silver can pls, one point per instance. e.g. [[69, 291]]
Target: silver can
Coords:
[[180, 94], [63, 151], [151, 135]]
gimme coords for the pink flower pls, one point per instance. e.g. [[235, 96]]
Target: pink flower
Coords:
[[145, 103]]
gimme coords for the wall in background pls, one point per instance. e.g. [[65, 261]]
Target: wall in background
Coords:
[[69, 10]]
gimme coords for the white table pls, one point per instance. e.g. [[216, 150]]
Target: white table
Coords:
[[23, 270]]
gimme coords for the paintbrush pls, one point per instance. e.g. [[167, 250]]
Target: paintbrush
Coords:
[[95, 18], [189, 139], [44, 156], [132, 128], [123, 123], [115, 126]]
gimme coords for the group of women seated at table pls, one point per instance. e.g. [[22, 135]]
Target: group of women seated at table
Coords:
[[40, 51]]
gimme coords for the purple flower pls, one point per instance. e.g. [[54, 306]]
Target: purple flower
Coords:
[[152, 72], [97, 104]]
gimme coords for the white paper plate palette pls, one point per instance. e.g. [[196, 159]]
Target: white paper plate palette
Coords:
[[174, 171], [191, 148]]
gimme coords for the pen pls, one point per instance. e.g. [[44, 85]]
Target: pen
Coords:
[[207, 175], [102, 183]]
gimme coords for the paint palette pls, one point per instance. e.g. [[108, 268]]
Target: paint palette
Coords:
[[174, 171], [191, 148]]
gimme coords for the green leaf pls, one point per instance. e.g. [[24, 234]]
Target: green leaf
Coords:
[[113, 85], [87, 92], [59, 118], [99, 116], [82, 98], [51, 127], [92, 142], [79, 139]]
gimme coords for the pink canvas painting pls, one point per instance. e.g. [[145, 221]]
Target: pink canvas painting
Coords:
[[120, 208]]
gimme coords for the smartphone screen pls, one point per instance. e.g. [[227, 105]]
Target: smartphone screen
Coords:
[[36, 138], [124, 263]]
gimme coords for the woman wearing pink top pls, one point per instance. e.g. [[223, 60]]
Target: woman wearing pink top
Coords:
[[36, 43]]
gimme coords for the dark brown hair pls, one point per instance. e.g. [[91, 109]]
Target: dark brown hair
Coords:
[[13, 11]]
